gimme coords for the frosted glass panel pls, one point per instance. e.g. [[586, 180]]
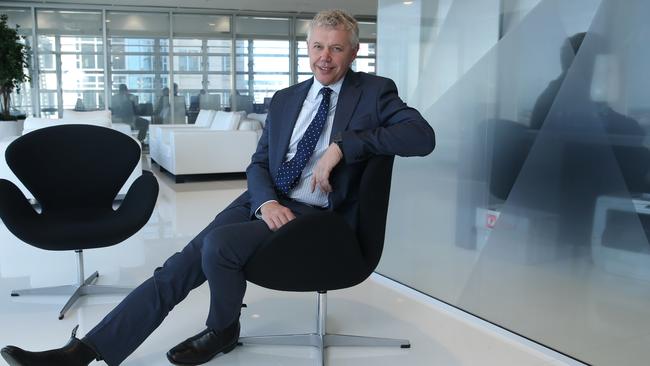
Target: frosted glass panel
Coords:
[[534, 209], [20, 17], [262, 26], [137, 24], [197, 24], [69, 22]]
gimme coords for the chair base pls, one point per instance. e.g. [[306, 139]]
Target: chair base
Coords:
[[84, 287], [321, 339]]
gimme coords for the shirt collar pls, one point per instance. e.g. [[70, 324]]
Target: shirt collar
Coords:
[[317, 86]]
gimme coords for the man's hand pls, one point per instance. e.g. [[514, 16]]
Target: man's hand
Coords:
[[321, 174], [275, 215]]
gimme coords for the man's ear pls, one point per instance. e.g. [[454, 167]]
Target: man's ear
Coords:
[[356, 50]]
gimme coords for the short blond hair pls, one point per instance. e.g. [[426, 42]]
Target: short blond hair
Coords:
[[333, 19]]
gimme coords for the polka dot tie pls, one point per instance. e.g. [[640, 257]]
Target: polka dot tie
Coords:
[[290, 171]]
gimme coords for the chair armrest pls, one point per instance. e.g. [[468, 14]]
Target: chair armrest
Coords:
[[15, 210], [140, 200]]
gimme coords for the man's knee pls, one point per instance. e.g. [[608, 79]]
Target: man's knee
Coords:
[[217, 248]]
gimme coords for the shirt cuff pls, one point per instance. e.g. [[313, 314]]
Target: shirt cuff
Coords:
[[258, 213]]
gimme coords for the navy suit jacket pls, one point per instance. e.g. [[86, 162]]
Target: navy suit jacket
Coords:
[[372, 119]]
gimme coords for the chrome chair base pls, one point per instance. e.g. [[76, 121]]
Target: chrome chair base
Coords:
[[321, 339], [82, 288]]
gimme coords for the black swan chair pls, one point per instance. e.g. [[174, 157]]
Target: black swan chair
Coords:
[[75, 173], [321, 252]]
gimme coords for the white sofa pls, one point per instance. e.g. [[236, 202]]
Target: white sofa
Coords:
[[219, 142], [97, 118]]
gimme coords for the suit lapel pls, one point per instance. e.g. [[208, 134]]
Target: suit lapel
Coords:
[[347, 102], [290, 111]]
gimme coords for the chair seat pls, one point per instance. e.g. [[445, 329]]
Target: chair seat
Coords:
[[321, 248], [63, 232]]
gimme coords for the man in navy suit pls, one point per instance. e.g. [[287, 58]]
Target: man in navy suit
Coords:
[[317, 138]]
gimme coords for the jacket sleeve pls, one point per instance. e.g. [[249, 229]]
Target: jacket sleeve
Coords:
[[402, 131]]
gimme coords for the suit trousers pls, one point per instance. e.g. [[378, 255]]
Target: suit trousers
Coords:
[[217, 255]]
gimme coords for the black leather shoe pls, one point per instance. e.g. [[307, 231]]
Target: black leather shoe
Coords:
[[204, 346], [75, 353]]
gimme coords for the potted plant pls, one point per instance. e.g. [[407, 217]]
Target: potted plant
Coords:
[[14, 58]]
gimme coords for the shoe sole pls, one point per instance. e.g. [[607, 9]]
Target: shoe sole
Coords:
[[224, 351]]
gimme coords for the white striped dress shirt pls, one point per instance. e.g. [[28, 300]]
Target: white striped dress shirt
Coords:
[[302, 191]]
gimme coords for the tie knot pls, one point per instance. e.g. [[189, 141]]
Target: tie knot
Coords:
[[326, 92]]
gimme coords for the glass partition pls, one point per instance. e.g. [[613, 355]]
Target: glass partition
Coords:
[[532, 212]]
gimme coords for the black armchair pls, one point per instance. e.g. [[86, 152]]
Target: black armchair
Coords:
[[321, 252], [75, 173]]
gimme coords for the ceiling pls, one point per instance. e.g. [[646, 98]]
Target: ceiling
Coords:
[[355, 7]]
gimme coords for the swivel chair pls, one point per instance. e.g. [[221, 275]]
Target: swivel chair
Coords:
[[321, 253], [74, 173]]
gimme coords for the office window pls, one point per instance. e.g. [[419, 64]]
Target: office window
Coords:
[[202, 66], [262, 67], [71, 60], [139, 58], [68, 67]]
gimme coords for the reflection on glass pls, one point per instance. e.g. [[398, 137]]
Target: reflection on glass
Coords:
[[535, 204]]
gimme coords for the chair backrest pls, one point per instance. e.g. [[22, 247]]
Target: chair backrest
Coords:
[[73, 166], [244, 103], [374, 192], [205, 117], [210, 101], [226, 121]]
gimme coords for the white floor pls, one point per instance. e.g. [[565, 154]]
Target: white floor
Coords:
[[439, 335]]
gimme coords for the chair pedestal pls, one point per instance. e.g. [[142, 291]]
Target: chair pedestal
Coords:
[[321, 339], [84, 286]]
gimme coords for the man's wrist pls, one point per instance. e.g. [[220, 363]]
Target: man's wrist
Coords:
[[258, 212], [337, 140]]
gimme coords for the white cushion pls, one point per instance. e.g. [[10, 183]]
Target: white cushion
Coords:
[[249, 124], [224, 121], [34, 123], [205, 117], [261, 117], [96, 118]]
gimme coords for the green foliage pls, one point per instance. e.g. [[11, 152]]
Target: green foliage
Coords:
[[14, 57]]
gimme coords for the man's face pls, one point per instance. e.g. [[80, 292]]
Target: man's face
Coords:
[[330, 53]]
